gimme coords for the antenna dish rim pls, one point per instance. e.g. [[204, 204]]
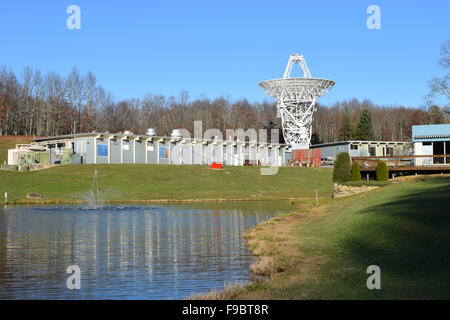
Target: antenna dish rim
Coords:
[[274, 87]]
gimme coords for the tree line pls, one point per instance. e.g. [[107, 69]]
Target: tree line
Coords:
[[45, 104], [356, 120]]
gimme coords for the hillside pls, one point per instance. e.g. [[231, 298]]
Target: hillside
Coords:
[[151, 182], [403, 228]]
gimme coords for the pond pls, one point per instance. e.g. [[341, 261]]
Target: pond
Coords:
[[168, 251]]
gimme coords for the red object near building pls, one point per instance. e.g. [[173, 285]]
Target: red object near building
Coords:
[[252, 163], [215, 165], [306, 158]]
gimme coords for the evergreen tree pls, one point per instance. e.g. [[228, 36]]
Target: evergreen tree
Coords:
[[382, 171], [364, 130], [315, 139], [356, 172], [342, 168], [348, 130]]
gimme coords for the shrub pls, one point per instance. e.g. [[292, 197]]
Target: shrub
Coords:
[[382, 171], [356, 173], [342, 168]]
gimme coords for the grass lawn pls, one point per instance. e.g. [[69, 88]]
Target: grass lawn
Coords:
[[404, 228], [371, 183], [318, 253], [154, 182], [172, 182]]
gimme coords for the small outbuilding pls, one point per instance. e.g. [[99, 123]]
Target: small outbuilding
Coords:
[[330, 150], [431, 140]]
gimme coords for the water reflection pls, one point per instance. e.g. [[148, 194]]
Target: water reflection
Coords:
[[132, 252]]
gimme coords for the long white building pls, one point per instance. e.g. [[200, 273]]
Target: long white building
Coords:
[[110, 148]]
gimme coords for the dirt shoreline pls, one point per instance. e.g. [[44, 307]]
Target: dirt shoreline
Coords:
[[270, 244], [265, 241], [44, 202]]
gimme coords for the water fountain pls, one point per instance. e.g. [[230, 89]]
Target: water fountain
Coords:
[[94, 197]]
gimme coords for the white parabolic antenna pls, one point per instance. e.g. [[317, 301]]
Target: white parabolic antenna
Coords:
[[296, 101]]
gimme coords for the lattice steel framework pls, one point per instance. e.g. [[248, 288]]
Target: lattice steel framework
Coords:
[[296, 101]]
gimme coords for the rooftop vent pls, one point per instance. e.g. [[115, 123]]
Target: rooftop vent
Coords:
[[175, 133], [150, 132]]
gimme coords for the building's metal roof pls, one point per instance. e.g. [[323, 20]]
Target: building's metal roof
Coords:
[[341, 143], [431, 132], [65, 136], [61, 138]]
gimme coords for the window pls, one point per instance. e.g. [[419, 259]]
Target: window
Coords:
[[163, 152], [389, 151], [102, 150], [372, 151], [353, 147], [438, 149]]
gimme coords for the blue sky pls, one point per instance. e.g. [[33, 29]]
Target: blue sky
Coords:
[[226, 47]]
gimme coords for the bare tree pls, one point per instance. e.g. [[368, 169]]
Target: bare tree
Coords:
[[439, 86], [51, 104], [75, 86]]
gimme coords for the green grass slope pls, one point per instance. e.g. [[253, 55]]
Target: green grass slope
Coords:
[[404, 228], [150, 182]]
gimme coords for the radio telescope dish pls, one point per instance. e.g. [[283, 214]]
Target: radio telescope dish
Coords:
[[296, 101]]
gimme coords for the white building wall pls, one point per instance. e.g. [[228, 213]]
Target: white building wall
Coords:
[[230, 151], [274, 157], [418, 152], [252, 154], [148, 150], [12, 156], [427, 150], [217, 153], [236, 155], [186, 153]]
